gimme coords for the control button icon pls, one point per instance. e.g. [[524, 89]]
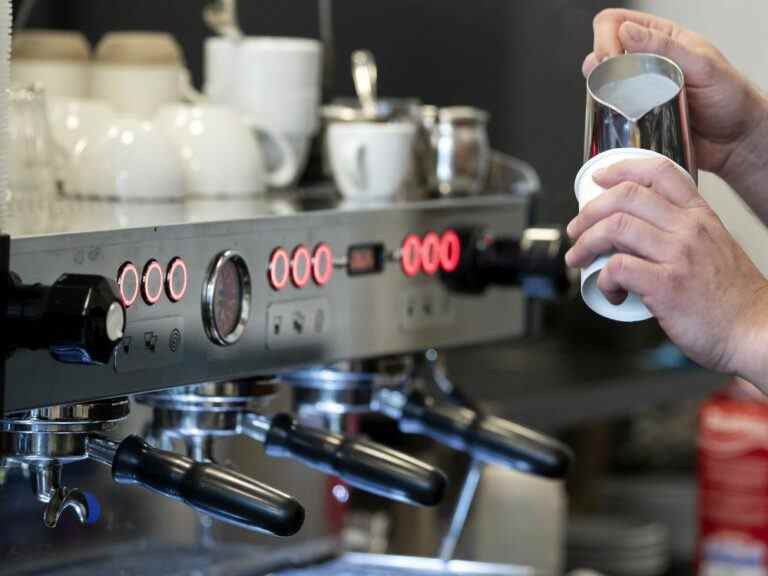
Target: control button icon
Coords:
[[299, 322], [150, 341], [174, 340]]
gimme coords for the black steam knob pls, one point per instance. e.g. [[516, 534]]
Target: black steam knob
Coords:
[[535, 262], [79, 319]]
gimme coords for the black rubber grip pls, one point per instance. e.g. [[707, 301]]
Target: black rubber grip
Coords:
[[366, 465], [214, 490], [488, 438]]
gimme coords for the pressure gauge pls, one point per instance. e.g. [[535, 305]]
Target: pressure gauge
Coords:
[[226, 298]]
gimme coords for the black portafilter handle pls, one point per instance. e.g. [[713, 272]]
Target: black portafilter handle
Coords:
[[79, 318], [487, 438], [366, 465], [534, 261], [214, 490]]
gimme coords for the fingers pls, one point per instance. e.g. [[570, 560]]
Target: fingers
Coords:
[[630, 198], [625, 273], [636, 38], [607, 23], [590, 63], [658, 173], [621, 233]]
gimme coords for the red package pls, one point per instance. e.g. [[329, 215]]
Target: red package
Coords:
[[733, 483]]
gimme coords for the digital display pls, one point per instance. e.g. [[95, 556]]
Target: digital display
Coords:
[[365, 259]]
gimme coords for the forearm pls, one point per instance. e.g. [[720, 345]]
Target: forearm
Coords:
[[750, 359], [746, 169]]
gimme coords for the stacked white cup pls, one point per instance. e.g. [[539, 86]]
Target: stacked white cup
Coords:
[[275, 84]]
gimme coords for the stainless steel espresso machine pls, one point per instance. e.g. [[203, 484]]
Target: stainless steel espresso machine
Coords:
[[203, 313]]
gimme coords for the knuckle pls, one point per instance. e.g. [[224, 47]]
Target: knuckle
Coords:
[[620, 224], [630, 192]]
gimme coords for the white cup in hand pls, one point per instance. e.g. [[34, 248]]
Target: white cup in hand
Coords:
[[632, 308], [370, 161]]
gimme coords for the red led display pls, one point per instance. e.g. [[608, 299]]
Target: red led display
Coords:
[[410, 258], [176, 279], [152, 282], [301, 266], [128, 283], [322, 264], [450, 251], [430, 253], [279, 269]]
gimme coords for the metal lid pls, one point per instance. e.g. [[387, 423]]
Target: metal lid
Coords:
[[462, 114]]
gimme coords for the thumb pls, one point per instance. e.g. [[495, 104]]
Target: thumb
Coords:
[[636, 38]]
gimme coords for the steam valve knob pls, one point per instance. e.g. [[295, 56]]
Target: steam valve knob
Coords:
[[535, 261], [79, 318]]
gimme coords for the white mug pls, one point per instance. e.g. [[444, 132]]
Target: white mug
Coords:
[[370, 161], [275, 84], [220, 155], [632, 308]]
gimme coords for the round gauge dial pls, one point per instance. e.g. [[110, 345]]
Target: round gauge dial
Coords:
[[226, 298]]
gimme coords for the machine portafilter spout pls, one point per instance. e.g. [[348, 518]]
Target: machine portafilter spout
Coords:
[[198, 413], [48, 438]]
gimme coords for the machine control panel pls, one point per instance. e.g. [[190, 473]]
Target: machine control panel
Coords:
[[225, 300]]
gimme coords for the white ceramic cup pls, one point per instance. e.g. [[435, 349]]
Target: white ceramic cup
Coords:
[[632, 308], [138, 89], [129, 160], [58, 60], [370, 161], [219, 153], [138, 72], [275, 84]]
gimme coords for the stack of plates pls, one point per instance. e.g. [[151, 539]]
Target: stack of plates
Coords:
[[617, 545], [668, 500]]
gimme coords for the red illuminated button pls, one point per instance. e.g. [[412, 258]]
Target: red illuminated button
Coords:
[[450, 251], [322, 264], [430, 253], [410, 258], [152, 282], [279, 269], [301, 266], [176, 280], [128, 283]]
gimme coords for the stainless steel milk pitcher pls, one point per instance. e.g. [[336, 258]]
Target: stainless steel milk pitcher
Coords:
[[639, 101]]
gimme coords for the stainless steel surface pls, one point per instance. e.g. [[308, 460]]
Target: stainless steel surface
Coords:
[[364, 316], [461, 511], [457, 155], [364, 77], [358, 564], [664, 128]]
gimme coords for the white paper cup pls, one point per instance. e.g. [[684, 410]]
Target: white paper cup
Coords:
[[632, 309]]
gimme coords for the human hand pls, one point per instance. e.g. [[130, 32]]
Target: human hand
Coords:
[[725, 108], [676, 255]]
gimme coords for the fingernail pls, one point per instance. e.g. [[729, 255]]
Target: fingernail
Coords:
[[569, 229], [568, 257]]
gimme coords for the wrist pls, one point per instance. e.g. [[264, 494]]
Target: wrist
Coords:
[[750, 357], [748, 158]]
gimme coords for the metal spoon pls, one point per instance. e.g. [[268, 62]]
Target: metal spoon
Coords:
[[221, 17], [364, 75]]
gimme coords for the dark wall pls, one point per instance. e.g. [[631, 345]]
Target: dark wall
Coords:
[[519, 59]]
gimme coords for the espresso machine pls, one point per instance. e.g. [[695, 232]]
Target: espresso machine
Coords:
[[204, 318]]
